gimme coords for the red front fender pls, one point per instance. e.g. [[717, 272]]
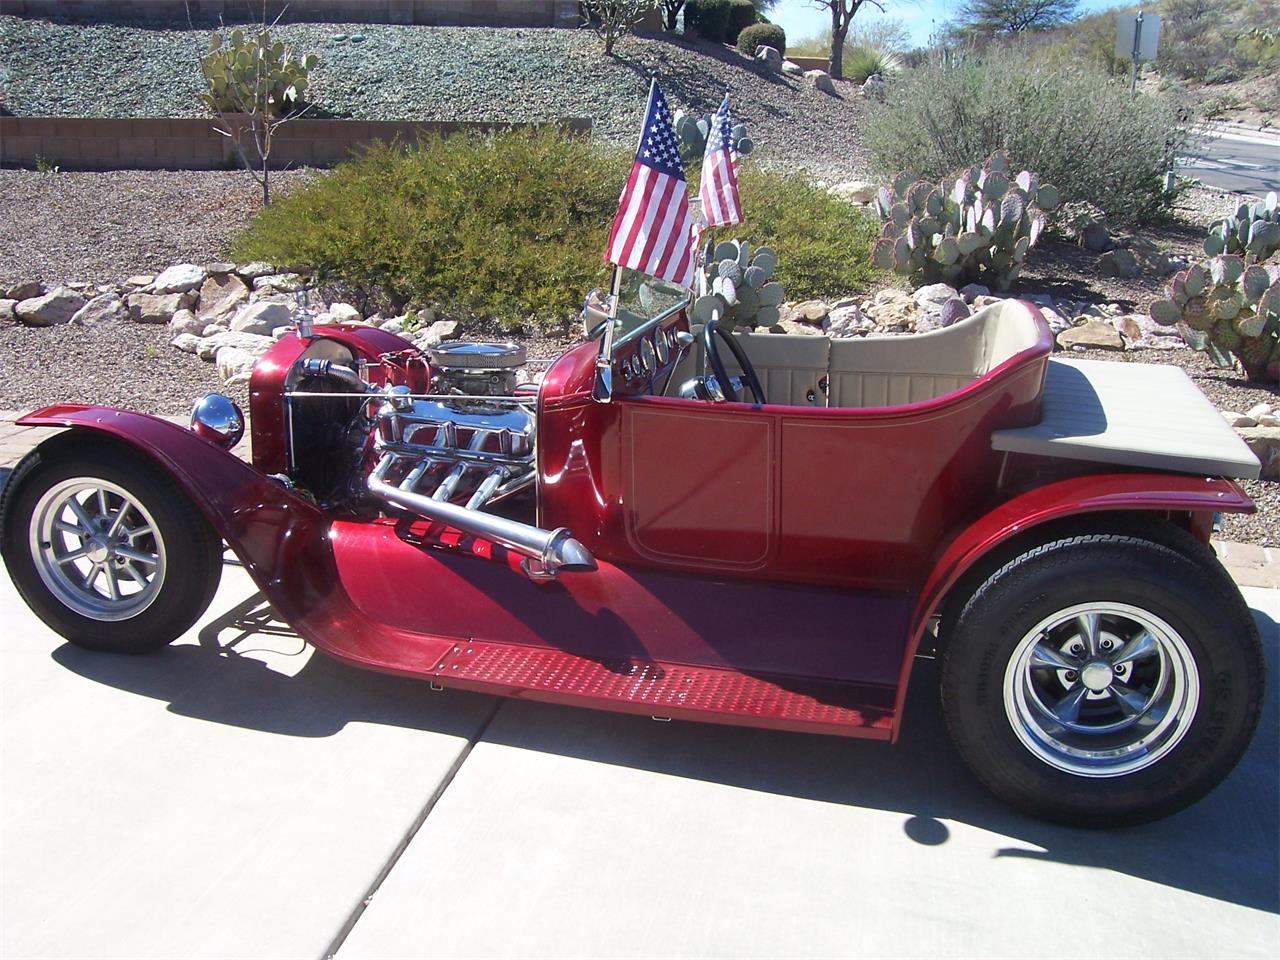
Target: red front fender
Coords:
[[1201, 497]]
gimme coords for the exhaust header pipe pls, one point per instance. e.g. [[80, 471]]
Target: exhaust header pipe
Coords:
[[546, 552]]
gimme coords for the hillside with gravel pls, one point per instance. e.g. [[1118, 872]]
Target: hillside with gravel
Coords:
[[389, 72]]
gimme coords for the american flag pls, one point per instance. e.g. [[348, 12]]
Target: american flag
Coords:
[[721, 204], [653, 231]]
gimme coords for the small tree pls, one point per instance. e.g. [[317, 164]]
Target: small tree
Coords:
[[613, 19], [842, 14], [991, 17], [253, 87]]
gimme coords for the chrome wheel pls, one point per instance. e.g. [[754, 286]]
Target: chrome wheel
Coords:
[[1101, 690], [97, 549]]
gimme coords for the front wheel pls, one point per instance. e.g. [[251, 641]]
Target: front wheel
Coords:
[[106, 550], [1104, 680]]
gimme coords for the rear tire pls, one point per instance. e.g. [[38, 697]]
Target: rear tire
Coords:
[[106, 550], [1104, 680]]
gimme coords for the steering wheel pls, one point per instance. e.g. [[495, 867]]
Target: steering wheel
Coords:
[[711, 335]]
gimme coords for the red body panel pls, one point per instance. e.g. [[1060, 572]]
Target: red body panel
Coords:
[[770, 566]]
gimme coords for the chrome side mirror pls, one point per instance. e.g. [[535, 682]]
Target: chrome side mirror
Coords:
[[216, 418], [595, 313]]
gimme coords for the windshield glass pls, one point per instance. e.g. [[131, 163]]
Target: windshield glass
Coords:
[[642, 301]]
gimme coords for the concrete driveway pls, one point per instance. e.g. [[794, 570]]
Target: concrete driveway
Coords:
[[236, 796]]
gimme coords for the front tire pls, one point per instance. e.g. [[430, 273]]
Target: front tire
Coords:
[[106, 550], [1104, 680]]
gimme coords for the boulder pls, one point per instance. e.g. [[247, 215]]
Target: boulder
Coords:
[[393, 325], [1092, 334], [1265, 444], [1121, 264], [24, 291], [106, 307], [215, 328], [1056, 321], [1235, 419], [972, 291], [892, 310], [983, 300], [934, 293], [875, 88], [846, 321], [808, 311], [219, 267], [344, 313], [795, 328], [57, 306], [1084, 223], [770, 58], [262, 317], [220, 296], [7, 305], [234, 362], [792, 69], [155, 308], [1260, 410], [821, 80], [280, 283], [854, 191], [249, 342], [252, 271], [179, 279], [184, 321], [186, 342], [140, 280], [440, 331]]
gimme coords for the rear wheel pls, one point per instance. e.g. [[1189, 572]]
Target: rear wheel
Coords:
[[106, 550], [1104, 680]]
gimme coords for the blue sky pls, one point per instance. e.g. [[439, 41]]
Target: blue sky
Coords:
[[800, 18]]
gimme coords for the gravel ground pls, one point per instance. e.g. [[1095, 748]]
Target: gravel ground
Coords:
[[104, 227], [442, 73]]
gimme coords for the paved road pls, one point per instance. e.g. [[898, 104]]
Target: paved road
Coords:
[[235, 795], [1243, 162]]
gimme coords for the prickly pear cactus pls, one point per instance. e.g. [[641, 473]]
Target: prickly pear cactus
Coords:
[[692, 132], [974, 226], [1227, 308], [740, 287], [253, 74], [1253, 232]]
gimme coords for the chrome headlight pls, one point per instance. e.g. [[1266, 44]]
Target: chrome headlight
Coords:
[[216, 418]]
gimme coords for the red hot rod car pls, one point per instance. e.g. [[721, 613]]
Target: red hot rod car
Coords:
[[739, 528]]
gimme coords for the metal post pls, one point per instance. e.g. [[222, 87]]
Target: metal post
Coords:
[[604, 363], [1137, 46]]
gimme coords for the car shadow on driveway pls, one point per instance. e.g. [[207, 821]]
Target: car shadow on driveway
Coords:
[[1226, 847]]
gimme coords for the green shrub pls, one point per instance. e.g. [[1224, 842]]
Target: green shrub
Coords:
[[742, 14], [762, 35], [861, 62], [1070, 122], [511, 227], [708, 19]]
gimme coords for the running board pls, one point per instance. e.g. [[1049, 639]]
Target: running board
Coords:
[[669, 690]]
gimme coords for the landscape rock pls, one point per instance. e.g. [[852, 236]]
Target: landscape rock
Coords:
[[770, 58], [892, 310], [186, 342], [154, 307], [214, 328], [795, 328], [57, 306], [1265, 444], [1093, 334], [345, 312], [934, 293], [972, 291], [792, 69], [854, 191], [280, 283], [1260, 410], [821, 80], [440, 331], [875, 88], [846, 321], [808, 311], [1121, 264], [252, 271], [219, 267], [1057, 322], [982, 300], [184, 321], [220, 296], [179, 279], [105, 307], [1084, 223], [26, 290], [249, 342], [1128, 327], [1235, 419], [140, 280], [394, 325], [262, 317], [7, 305], [234, 361]]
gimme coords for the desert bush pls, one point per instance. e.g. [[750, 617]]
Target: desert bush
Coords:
[[1195, 38], [511, 227], [742, 14], [1074, 125], [862, 62], [708, 19], [762, 35]]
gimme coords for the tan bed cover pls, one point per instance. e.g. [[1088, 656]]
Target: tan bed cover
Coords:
[[1132, 414]]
